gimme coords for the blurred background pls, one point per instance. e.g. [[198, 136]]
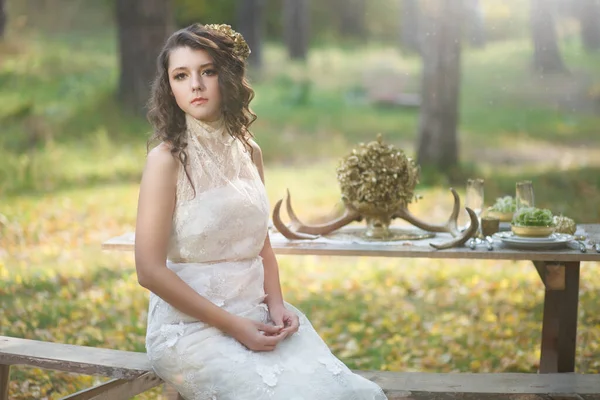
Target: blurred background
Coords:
[[500, 90]]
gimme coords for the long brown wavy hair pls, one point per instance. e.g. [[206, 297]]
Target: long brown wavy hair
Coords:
[[168, 120]]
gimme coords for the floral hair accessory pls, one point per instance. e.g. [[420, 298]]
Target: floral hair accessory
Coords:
[[240, 47]]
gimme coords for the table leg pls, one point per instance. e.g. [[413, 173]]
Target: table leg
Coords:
[[4, 381], [559, 327]]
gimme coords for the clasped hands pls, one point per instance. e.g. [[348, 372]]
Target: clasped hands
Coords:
[[258, 336]]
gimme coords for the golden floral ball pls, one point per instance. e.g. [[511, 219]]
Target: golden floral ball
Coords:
[[377, 178]]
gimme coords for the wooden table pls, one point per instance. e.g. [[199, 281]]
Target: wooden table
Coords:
[[558, 269]]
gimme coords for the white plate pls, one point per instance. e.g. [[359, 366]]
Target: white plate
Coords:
[[554, 241], [543, 239]]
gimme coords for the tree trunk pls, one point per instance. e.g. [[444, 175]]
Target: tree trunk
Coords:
[[2, 18], [546, 54], [409, 25], [352, 18], [440, 85], [143, 26], [251, 24], [296, 27], [476, 23], [589, 17]]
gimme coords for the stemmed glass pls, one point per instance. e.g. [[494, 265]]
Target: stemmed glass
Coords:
[[474, 199], [524, 195]]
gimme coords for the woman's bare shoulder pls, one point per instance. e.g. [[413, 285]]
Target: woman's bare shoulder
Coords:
[[161, 158], [254, 147], [257, 157], [162, 154]]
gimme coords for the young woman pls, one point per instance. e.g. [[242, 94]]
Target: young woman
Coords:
[[218, 327]]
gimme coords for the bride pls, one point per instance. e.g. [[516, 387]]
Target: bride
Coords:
[[218, 327]]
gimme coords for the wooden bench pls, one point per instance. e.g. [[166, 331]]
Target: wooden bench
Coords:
[[132, 374], [131, 371]]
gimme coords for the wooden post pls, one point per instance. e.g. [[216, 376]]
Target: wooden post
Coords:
[[4, 379], [559, 326]]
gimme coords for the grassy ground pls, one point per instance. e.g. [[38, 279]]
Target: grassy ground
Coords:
[[70, 161]]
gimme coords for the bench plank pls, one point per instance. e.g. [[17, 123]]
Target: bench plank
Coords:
[[481, 383], [71, 358], [118, 389], [398, 385]]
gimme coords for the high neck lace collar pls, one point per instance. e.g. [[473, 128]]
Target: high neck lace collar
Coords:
[[208, 130]]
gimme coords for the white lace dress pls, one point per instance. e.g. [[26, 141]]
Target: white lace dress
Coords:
[[217, 235]]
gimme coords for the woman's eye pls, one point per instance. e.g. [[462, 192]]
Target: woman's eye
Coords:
[[179, 76], [209, 72]]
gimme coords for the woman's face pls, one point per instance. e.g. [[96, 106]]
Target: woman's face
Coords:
[[195, 83]]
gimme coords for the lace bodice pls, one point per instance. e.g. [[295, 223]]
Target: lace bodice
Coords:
[[222, 214]]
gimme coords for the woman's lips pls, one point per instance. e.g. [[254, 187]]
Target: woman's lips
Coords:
[[199, 101]]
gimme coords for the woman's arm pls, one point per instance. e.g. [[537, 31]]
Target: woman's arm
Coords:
[[283, 318], [156, 204], [272, 284], [153, 229]]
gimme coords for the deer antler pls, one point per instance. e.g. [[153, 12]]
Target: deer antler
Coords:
[[450, 227], [299, 230]]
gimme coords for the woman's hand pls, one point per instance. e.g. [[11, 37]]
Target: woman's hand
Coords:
[[284, 319], [257, 336]]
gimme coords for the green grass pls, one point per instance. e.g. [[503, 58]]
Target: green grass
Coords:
[[70, 161]]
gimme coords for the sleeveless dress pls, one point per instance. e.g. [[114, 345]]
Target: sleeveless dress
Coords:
[[219, 227]]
